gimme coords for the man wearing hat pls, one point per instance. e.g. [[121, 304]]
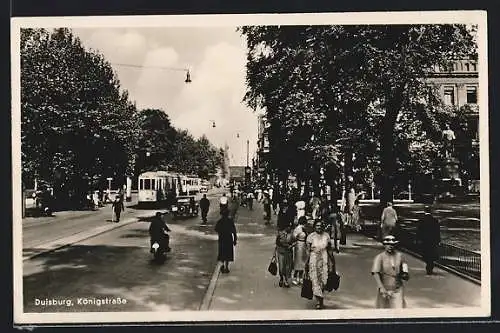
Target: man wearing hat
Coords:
[[389, 271], [429, 237]]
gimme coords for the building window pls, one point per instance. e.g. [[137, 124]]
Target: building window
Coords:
[[449, 95], [471, 95]]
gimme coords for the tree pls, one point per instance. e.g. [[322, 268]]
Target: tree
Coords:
[[207, 158], [398, 59], [77, 124], [325, 81], [155, 141]]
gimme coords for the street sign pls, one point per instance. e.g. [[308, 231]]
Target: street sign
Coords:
[[109, 178]]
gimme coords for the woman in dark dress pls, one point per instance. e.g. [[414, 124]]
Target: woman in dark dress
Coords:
[[227, 240]]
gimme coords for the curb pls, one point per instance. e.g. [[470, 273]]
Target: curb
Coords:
[[80, 236], [207, 299]]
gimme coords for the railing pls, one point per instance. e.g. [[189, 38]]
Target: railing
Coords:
[[456, 258]]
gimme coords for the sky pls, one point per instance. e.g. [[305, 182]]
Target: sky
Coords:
[[216, 58]]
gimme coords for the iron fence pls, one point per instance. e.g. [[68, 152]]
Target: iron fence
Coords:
[[459, 259]]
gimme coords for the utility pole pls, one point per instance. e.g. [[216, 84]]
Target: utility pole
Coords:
[[248, 142]]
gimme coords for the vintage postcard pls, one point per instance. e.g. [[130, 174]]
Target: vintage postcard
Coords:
[[250, 167]]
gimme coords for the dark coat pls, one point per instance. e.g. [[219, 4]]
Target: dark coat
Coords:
[[204, 204], [429, 235], [226, 230], [157, 227], [118, 205]]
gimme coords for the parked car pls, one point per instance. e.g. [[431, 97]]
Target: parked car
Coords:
[[185, 206], [203, 189]]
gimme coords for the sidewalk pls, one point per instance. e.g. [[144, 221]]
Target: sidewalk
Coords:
[[250, 287]]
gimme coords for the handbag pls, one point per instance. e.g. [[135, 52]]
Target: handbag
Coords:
[[333, 281], [273, 266], [307, 289]]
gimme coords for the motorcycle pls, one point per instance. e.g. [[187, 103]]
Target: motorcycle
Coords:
[[160, 248]]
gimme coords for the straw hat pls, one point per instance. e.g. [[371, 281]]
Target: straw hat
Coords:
[[390, 240]]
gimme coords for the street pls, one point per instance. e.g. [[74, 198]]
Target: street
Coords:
[[117, 264]]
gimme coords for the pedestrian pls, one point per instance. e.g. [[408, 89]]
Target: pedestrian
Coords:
[[300, 205], [259, 194], [388, 220], [270, 191], [121, 193], [321, 261], [330, 217], [95, 198], [389, 271], [300, 251], [117, 207], [275, 198], [267, 208], [223, 203], [226, 231], [250, 198], [101, 197], [429, 237], [284, 251], [356, 216], [315, 204], [204, 207]]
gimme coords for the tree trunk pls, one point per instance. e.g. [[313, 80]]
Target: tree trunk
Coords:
[[387, 151]]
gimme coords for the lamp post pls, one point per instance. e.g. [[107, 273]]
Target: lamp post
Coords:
[[248, 142]]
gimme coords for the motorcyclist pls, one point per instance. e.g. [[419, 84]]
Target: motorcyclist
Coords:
[[158, 231]]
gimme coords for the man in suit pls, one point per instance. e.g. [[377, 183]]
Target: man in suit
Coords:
[[429, 237]]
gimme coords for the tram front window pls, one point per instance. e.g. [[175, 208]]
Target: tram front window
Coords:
[[147, 184]]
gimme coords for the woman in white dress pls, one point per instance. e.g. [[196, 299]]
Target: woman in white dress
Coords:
[[321, 260], [300, 251]]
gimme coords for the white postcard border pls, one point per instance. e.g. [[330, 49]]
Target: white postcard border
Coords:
[[383, 18]]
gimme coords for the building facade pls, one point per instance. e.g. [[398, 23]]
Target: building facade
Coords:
[[458, 86], [261, 164]]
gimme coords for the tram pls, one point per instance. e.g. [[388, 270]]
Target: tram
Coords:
[[158, 188], [189, 184]]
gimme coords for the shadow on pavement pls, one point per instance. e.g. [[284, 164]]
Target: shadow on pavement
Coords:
[[136, 233], [99, 271]]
